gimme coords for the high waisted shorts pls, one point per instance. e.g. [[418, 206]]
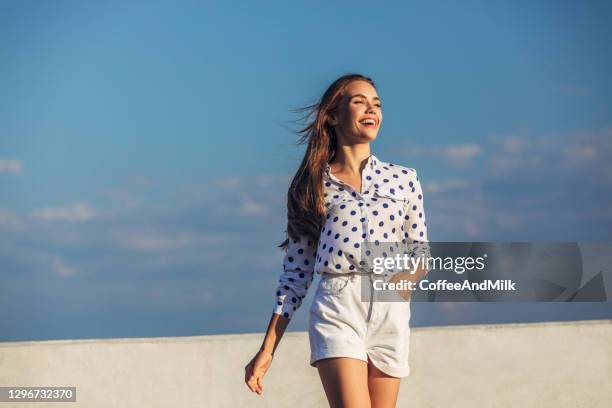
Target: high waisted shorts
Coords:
[[343, 323]]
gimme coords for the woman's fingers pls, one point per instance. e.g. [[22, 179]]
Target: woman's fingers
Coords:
[[249, 378], [252, 383], [255, 384], [254, 373]]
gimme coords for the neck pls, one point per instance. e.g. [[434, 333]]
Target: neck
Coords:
[[351, 159]]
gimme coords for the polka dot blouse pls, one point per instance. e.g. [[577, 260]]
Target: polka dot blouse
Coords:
[[388, 209]]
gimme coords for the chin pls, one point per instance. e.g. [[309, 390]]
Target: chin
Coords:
[[364, 136], [369, 136]]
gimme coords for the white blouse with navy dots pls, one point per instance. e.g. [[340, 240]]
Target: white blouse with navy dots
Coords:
[[389, 209]]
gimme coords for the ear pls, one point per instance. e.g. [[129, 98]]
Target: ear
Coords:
[[332, 120]]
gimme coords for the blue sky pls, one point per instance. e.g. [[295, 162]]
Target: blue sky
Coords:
[[145, 151]]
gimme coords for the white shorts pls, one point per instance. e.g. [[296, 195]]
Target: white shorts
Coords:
[[341, 324]]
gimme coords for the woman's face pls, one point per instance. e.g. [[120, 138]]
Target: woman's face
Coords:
[[359, 113]]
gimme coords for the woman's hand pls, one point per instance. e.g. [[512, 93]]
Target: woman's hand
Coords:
[[256, 369], [406, 293]]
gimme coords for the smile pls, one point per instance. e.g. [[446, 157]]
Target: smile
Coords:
[[370, 123]]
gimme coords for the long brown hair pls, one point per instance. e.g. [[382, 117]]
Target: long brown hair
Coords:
[[305, 203]]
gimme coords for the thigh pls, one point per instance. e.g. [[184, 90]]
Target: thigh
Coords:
[[383, 388], [345, 381]]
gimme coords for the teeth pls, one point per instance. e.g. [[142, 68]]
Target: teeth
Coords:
[[369, 122]]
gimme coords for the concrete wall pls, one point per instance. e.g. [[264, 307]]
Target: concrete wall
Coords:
[[565, 364]]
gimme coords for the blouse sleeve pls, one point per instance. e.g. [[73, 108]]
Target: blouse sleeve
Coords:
[[416, 224], [296, 278]]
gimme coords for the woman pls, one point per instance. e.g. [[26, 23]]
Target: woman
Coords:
[[341, 197]]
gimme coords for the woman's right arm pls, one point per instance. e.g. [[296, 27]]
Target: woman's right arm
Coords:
[[259, 364], [293, 285]]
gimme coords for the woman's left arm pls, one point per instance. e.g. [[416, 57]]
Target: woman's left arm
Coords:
[[415, 232]]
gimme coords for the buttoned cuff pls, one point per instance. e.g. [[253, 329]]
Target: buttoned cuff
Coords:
[[284, 307], [421, 250]]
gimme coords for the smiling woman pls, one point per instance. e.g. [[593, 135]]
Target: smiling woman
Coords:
[[341, 197]]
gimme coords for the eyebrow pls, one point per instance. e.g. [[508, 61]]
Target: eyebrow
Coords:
[[363, 96]]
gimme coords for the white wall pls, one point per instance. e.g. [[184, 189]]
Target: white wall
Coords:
[[557, 365]]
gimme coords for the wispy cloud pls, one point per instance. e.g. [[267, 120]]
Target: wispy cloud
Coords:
[[123, 199], [457, 154], [252, 195], [229, 182], [244, 207], [57, 264], [587, 151], [9, 220], [150, 240], [267, 180], [230, 226], [538, 185], [10, 166], [78, 212]]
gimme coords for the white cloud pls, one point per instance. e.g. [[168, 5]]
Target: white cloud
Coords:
[[78, 212], [475, 218], [229, 182], [579, 154], [63, 269], [124, 199], [459, 155], [514, 144], [266, 180], [10, 166], [513, 191], [587, 151], [151, 240], [9, 220], [58, 265], [249, 207]]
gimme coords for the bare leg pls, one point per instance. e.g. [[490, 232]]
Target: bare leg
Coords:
[[383, 387], [345, 381]]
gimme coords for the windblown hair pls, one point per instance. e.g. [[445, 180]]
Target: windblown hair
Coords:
[[305, 201]]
